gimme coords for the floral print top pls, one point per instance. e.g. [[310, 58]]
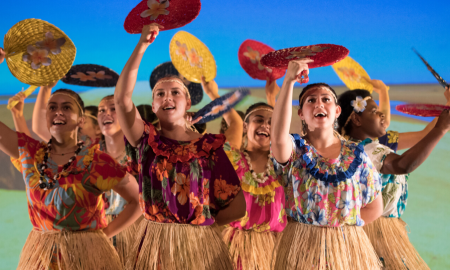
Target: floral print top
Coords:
[[328, 192], [75, 203], [395, 187], [183, 182], [265, 201], [390, 139], [114, 203]]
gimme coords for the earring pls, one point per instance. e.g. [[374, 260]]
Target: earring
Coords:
[[336, 124], [304, 128]]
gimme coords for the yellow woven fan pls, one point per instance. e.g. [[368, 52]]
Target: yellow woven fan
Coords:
[[37, 52], [192, 58], [353, 74]]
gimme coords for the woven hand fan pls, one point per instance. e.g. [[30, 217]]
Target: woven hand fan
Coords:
[[91, 75], [426, 110], [192, 58], [170, 14], [250, 53], [167, 69], [37, 52], [218, 107], [353, 74], [322, 54]]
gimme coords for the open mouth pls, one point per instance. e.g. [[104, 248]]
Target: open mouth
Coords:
[[168, 108], [107, 122], [265, 134], [59, 123], [320, 115]]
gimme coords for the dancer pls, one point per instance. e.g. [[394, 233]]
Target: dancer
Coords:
[[64, 182], [187, 184], [89, 131], [330, 184], [361, 120], [251, 240]]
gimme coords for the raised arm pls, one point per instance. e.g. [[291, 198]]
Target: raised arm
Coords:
[[9, 141], [38, 122], [383, 96], [17, 113], [129, 190], [282, 113], [129, 118], [272, 90], [407, 140], [234, 121], [411, 159]]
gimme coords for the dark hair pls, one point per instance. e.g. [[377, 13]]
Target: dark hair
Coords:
[[309, 86], [254, 106], [74, 95], [107, 97], [344, 101], [224, 125], [146, 113], [94, 112]]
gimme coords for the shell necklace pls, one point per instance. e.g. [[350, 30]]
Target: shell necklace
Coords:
[[260, 177]]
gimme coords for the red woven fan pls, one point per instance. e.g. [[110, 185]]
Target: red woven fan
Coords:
[[427, 110], [170, 14], [250, 53], [322, 54]]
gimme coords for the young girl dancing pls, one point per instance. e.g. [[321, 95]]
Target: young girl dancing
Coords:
[[252, 239], [361, 120], [330, 184], [186, 182], [64, 183]]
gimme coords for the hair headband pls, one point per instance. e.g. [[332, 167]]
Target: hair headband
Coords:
[[175, 81], [257, 109], [359, 105], [323, 87], [68, 95]]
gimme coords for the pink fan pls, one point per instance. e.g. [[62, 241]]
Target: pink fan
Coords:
[[426, 110]]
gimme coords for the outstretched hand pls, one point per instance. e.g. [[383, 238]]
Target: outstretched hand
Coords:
[[379, 86], [211, 88], [149, 33], [298, 68], [2, 55], [189, 120]]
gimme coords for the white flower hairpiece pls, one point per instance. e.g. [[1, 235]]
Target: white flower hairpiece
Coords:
[[359, 105]]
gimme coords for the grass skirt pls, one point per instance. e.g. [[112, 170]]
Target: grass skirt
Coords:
[[171, 246], [251, 250], [390, 240], [305, 246], [65, 250], [123, 241]]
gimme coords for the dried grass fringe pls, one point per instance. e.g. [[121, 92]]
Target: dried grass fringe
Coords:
[[79, 250], [251, 250], [125, 239], [305, 246], [390, 240], [172, 246]]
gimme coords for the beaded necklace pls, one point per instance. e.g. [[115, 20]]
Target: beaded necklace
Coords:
[[261, 177], [43, 166]]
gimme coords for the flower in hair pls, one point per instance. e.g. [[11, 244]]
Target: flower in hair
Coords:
[[359, 105]]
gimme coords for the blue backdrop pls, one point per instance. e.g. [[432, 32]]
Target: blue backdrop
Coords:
[[379, 34]]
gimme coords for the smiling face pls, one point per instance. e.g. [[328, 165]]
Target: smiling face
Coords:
[[170, 102], [319, 109], [63, 115], [371, 121], [107, 118], [258, 128]]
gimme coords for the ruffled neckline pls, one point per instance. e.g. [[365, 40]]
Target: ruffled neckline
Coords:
[[331, 171], [183, 151]]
